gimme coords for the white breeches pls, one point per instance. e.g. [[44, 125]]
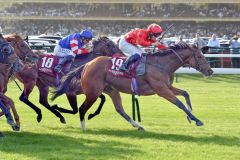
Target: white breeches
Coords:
[[63, 52], [128, 49]]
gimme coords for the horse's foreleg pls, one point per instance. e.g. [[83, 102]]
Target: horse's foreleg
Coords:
[[43, 99], [103, 99], [185, 94], [172, 98], [8, 114], [72, 99], [15, 114], [116, 98], [24, 98], [84, 107], [165, 92]]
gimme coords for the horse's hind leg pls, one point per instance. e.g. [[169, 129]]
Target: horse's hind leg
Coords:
[[72, 99], [103, 99], [43, 99], [116, 98]]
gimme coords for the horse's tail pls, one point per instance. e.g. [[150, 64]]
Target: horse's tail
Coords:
[[66, 82]]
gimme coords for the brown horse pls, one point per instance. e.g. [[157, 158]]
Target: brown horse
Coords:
[[101, 46], [96, 78], [32, 76], [9, 65]]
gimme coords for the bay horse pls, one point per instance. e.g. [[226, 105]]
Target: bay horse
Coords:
[[97, 78], [32, 76], [102, 46], [9, 65]]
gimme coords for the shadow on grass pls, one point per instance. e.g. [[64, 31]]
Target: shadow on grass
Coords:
[[215, 139], [47, 146]]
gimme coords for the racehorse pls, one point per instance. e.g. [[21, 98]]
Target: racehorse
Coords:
[[101, 46], [35, 76], [9, 65], [97, 78]]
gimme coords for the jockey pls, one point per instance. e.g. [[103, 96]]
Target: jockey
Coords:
[[142, 37], [72, 45]]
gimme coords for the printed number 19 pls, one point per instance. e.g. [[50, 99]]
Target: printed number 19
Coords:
[[116, 63]]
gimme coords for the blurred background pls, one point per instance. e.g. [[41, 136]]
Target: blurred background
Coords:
[[116, 17], [47, 21]]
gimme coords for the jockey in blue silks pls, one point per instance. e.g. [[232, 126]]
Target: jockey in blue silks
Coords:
[[72, 45]]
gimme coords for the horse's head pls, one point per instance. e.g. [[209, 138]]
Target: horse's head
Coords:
[[7, 55], [198, 61], [105, 47], [21, 48]]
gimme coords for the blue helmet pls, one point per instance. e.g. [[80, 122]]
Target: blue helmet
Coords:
[[86, 34]]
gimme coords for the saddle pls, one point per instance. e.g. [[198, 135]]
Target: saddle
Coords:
[[136, 69], [47, 63]]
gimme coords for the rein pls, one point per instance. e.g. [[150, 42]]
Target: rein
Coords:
[[182, 61]]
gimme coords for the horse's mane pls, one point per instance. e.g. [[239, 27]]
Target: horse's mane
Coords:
[[174, 47], [100, 38], [12, 36]]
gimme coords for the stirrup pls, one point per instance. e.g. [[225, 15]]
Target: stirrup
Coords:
[[123, 68], [57, 69]]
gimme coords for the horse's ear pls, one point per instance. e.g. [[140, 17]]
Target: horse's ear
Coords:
[[204, 49], [26, 39]]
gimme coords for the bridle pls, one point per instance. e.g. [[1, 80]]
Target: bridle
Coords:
[[5, 53], [198, 64], [27, 57]]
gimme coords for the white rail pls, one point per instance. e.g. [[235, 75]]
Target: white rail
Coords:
[[216, 70]]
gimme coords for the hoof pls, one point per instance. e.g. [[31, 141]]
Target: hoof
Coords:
[[62, 120], [199, 123], [90, 116], [189, 119], [15, 128], [39, 118], [141, 129]]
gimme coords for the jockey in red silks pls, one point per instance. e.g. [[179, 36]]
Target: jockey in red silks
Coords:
[[142, 37], [72, 45]]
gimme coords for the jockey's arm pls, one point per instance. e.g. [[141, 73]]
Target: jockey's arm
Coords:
[[141, 40], [74, 47]]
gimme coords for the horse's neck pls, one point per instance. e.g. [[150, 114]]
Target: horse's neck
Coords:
[[169, 63], [82, 61]]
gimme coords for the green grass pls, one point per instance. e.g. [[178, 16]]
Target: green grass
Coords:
[[168, 135]]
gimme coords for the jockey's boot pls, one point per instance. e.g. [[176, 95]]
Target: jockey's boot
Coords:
[[125, 65], [59, 66]]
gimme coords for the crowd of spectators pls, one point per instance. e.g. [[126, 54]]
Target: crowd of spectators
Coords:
[[121, 10], [116, 28]]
